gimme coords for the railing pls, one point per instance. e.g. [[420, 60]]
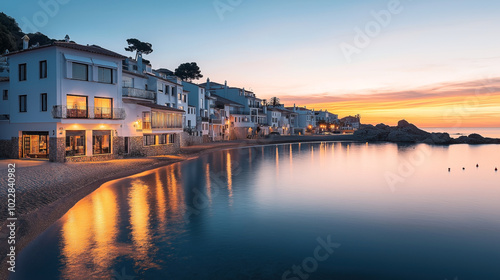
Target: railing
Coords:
[[62, 112], [204, 119], [138, 93]]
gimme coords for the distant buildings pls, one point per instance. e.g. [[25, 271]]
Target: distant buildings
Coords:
[[71, 102]]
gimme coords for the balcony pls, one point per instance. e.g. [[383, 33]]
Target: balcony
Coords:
[[138, 93], [100, 113]]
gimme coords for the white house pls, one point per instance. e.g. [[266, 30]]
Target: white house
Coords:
[[304, 119], [247, 119], [155, 109], [274, 119], [64, 102], [197, 99]]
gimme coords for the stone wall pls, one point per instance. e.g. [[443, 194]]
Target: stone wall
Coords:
[[190, 140], [9, 148], [57, 149], [118, 145], [91, 158], [238, 133], [137, 148]]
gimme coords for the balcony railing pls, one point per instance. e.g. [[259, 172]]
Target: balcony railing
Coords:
[[62, 112], [138, 93]]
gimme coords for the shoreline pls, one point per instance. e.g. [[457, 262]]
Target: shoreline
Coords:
[[33, 222]]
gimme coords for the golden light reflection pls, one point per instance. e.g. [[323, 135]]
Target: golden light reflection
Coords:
[[312, 154], [161, 202], [277, 161], [89, 233], [229, 175], [207, 179], [139, 221]]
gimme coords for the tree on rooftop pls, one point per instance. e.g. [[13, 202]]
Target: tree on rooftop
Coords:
[[274, 101], [188, 71], [137, 46]]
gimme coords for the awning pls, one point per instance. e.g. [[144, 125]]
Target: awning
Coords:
[[76, 58], [104, 63]]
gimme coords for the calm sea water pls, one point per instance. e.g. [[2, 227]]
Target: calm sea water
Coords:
[[455, 132], [300, 211]]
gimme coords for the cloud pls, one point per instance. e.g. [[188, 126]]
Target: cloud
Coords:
[[471, 103]]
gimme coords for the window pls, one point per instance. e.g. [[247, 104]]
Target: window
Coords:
[[146, 120], [128, 82], [80, 71], [22, 72], [105, 75], [75, 143], [101, 142], [184, 98], [162, 139], [103, 108], [174, 91], [167, 89], [160, 87], [43, 69], [77, 106], [162, 120], [149, 140], [43, 102], [5, 94], [22, 103]]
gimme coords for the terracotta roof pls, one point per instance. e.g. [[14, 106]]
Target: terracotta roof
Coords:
[[92, 49], [160, 107]]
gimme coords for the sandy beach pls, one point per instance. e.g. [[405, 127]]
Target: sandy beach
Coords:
[[45, 191]]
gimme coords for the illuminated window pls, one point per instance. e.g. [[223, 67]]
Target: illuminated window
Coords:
[[75, 143], [103, 108], [101, 142], [146, 120], [149, 140], [77, 106]]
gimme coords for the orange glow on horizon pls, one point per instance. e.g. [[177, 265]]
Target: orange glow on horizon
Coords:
[[470, 104]]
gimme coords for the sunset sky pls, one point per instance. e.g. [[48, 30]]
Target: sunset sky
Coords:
[[434, 63]]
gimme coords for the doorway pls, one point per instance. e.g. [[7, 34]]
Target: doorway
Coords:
[[35, 144]]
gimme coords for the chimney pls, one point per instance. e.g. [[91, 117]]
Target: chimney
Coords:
[[207, 87], [66, 38], [139, 62], [26, 42]]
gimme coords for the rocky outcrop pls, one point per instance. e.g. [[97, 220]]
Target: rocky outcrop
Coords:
[[406, 132]]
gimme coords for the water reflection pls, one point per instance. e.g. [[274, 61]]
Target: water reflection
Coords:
[[89, 234], [176, 223]]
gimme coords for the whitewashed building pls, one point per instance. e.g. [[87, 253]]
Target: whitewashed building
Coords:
[[64, 102]]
